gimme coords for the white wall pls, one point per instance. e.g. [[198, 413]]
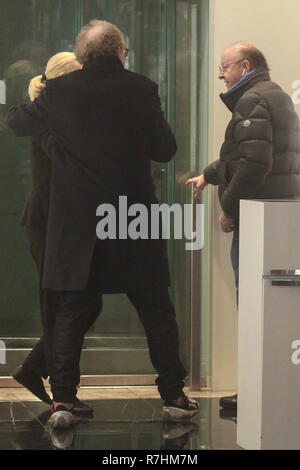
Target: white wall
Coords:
[[273, 26]]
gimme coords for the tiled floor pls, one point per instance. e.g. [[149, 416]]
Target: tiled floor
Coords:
[[125, 418], [100, 393]]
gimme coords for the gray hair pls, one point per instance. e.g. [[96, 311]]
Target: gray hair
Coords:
[[96, 39]]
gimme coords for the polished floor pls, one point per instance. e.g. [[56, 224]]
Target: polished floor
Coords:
[[124, 419]]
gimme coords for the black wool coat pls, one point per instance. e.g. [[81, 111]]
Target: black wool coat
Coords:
[[36, 208], [106, 126], [260, 157]]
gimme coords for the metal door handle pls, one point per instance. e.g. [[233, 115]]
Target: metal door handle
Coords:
[[287, 280], [195, 353]]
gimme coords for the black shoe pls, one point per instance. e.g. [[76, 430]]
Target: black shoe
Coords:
[[178, 410], [229, 414], [81, 408], [32, 382], [229, 402]]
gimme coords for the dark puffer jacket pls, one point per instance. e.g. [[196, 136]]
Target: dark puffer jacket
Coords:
[[260, 157]]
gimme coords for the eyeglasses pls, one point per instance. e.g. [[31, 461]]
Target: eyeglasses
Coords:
[[126, 51], [222, 68]]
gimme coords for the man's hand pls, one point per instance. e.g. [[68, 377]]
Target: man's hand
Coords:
[[200, 183], [227, 223]]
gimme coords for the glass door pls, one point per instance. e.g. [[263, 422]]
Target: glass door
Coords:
[[159, 36], [118, 333]]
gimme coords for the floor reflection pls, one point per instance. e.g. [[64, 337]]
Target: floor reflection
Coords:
[[117, 425]]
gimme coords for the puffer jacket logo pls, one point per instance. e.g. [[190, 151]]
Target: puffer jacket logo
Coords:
[[247, 123]]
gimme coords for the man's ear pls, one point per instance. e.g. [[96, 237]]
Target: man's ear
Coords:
[[247, 65]]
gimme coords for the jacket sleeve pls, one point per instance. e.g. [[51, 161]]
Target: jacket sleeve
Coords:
[[212, 173], [30, 119], [160, 139], [253, 135]]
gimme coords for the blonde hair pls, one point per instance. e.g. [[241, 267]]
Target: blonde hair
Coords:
[[59, 64], [98, 38]]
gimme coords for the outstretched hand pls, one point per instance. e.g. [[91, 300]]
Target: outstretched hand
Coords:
[[199, 183]]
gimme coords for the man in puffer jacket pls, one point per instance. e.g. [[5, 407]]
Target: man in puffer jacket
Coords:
[[260, 157]]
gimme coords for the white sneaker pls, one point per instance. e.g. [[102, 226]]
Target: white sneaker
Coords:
[[178, 410], [61, 417]]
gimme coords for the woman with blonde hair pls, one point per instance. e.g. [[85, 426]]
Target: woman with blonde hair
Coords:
[[59, 64], [35, 216]]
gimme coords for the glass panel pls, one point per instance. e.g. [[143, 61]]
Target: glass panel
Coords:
[[30, 32], [191, 110]]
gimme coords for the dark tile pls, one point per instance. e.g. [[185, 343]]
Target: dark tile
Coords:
[[14, 412], [117, 425]]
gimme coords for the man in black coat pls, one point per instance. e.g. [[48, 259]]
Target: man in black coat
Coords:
[[106, 125], [260, 157]]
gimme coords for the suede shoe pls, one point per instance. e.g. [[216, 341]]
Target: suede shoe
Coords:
[[32, 382], [229, 402], [181, 409]]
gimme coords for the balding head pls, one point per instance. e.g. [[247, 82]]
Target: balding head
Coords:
[[98, 39], [247, 51], [239, 59]]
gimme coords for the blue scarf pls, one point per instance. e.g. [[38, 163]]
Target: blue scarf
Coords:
[[240, 80]]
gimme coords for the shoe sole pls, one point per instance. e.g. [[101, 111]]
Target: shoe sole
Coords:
[[173, 415], [62, 420]]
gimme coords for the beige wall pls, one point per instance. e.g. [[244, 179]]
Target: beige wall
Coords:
[[273, 26]]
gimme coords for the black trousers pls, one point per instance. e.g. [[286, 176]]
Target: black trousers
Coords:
[[66, 317]]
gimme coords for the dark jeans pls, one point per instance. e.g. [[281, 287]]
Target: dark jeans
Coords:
[[66, 317], [158, 318], [234, 255]]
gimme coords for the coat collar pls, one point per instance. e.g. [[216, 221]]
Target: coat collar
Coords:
[[231, 97], [103, 63]]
